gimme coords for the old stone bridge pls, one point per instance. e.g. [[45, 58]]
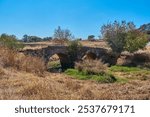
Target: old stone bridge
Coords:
[[62, 52]]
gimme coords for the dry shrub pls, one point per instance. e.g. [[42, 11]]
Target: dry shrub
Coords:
[[72, 85], [87, 94], [2, 73], [33, 65], [11, 58], [91, 66], [59, 41], [7, 57]]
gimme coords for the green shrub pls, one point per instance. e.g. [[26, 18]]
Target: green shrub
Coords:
[[10, 42], [135, 40]]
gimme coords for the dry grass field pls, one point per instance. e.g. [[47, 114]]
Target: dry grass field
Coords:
[[38, 45], [20, 80], [22, 85]]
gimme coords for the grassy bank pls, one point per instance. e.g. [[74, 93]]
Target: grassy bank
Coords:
[[120, 74], [130, 73], [103, 78]]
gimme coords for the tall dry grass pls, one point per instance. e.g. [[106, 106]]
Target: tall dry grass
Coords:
[[92, 66], [11, 58], [2, 72], [59, 86]]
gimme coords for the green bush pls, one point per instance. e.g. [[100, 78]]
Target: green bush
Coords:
[[10, 42], [135, 40]]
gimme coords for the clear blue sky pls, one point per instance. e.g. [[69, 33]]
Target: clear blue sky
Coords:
[[82, 17]]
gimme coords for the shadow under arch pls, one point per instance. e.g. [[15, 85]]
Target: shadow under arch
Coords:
[[62, 58]]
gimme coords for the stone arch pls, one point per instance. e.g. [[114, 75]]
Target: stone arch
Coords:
[[64, 60]]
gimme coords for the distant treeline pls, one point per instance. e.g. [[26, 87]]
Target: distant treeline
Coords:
[[27, 38], [64, 35]]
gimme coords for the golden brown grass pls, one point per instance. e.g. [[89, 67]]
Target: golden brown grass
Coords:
[[39, 45], [11, 58], [2, 73], [23, 85], [91, 66]]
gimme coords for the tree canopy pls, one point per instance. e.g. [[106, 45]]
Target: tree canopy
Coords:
[[123, 36]]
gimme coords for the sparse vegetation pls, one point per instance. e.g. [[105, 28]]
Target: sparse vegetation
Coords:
[[62, 35]]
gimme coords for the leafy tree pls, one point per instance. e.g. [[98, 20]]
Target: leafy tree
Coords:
[[47, 39], [10, 41], [91, 37], [123, 36], [116, 33], [35, 39], [27, 38], [146, 29], [135, 40], [62, 35]]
